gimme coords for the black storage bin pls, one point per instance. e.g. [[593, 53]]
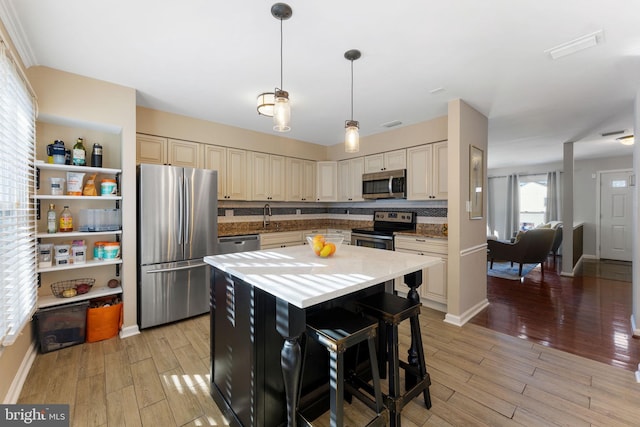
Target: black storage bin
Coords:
[[61, 326]]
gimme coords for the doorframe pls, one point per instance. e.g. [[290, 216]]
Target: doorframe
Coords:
[[598, 199]]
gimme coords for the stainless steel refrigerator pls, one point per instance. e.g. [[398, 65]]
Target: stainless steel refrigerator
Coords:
[[177, 227]]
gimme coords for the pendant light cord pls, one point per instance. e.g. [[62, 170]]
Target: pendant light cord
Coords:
[[352, 90], [281, 54]]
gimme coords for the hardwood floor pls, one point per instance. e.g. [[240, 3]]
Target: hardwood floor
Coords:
[[479, 378], [586, 315]]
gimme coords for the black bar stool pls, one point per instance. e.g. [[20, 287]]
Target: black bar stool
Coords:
[[337, 330], [390, 310]]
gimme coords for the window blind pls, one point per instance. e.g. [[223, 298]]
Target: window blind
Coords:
[[18, 282]]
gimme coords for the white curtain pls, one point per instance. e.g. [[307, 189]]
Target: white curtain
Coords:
[[553, 212], [513, 205]]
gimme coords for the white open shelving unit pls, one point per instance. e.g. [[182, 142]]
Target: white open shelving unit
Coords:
[[96, 291]]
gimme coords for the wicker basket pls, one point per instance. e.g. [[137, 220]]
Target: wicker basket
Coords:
[[58, 288]]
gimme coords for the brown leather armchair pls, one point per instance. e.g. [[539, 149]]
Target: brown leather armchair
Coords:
[[533, 247]]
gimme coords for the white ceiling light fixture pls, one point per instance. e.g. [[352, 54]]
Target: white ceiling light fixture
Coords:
[[352, 136], [265, 103], [576, 45], [626, 140], [281, 107]]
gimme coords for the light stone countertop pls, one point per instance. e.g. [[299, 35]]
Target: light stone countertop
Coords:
[[296, 275]]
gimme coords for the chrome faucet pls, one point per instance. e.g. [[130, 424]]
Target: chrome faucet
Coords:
[[266, 211]]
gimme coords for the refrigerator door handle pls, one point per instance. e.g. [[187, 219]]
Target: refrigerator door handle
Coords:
[[168, 270], [181, 211], [187, 208]]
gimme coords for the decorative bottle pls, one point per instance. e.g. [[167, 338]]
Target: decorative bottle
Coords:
[[52, 219], [66, 220], [79, 154]]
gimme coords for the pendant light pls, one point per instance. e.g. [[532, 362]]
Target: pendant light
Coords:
[[351, 137], [281, 107], [265, 103]]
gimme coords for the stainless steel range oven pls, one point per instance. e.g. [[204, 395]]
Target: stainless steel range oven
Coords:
[[385, 223]]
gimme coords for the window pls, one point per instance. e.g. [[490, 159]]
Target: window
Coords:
[[533, 200], [18, 284]]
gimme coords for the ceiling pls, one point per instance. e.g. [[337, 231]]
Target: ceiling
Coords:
[[210, 59]]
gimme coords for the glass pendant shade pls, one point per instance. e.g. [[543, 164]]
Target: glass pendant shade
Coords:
[[282, 112], [351, 137], [265, 103]]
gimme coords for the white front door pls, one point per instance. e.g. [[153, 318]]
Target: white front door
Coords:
[[615, 215]]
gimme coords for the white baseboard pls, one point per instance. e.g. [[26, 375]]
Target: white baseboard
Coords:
[[634, 329], [467, 315], [129, 331], [21, 376]]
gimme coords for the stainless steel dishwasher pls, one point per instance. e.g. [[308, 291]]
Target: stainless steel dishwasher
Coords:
[[233, 244]]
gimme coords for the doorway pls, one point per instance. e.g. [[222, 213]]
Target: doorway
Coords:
[[615, 215]]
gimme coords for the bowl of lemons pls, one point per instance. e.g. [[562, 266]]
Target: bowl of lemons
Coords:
[[325, 245]]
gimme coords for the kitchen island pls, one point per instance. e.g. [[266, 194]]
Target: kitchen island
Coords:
[[259, 304]]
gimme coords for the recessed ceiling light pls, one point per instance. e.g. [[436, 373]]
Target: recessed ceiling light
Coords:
[[391, 124], [576, 45], [626, 140]]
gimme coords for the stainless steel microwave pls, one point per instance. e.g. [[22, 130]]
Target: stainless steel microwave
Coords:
[[385, 185]]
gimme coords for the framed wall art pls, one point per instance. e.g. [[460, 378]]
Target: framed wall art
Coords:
[[476, 182]]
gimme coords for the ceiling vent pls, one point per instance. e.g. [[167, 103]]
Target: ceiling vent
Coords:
[[576, 45], [615, 132], [391, 124]]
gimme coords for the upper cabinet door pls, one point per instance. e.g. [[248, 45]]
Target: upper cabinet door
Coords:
[[374, 163], [390, 160], [394, 160], [308, 181], [440, 180], [151, 149], [216, 158], [350, 180], [301, 180], [259, 169], [427, 172], [295, 180], [277, 177], [267, 176], [236, 175], [419, 161], [327, 182], [184, 153]]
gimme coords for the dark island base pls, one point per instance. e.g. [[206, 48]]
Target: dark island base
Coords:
[[246, 375]]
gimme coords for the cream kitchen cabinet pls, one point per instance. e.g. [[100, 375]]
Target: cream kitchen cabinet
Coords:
[[434, 279], [301, 180], [281, 239], [350, 179], [166, 151], [344, 233], [311, 233], [267, 176], [427, 172], [390, 160], [231, 164], [327, 182]]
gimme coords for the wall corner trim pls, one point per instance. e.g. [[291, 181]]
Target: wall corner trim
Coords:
[[21, 375], [467, 315], [129, 331]]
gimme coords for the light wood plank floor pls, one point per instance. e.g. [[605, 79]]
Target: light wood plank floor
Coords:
[[480, 377]]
